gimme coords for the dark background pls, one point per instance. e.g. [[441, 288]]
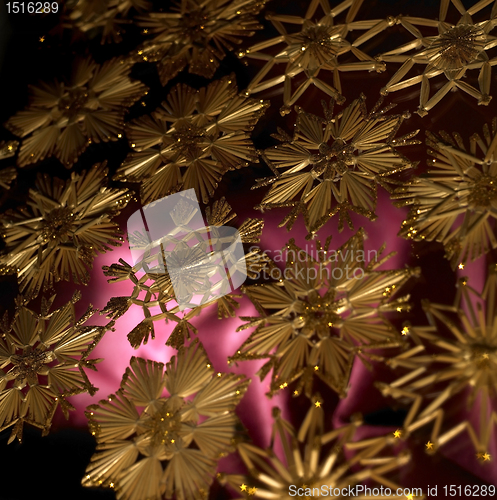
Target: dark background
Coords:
[[52, 467]]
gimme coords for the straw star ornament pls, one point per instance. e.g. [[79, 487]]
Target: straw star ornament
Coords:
[[153, 291], [63, 226], [451, 368], [450, 55], [313, 458], [332, 164], [196, 34], [192, 140], [455, 202], [322, 313], [163, 432], [64, 117], [311, 44], [43, 357], [108, 18]]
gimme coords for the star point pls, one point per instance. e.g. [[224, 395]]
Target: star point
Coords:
[[42, 39], [243, 487], [397, 434], [317, 404], [252, 490], [429, 445]]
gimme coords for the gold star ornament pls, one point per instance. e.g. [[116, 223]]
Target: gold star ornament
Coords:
[[451, 365], [164, 431], [455, 202], [196, 34], [192, 140], [63, 117], [333, 164], [43, 357], [324, 309], [451, 55], [152, 290], [63, 226], [314, 456], [107, 18], [312, 44]]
